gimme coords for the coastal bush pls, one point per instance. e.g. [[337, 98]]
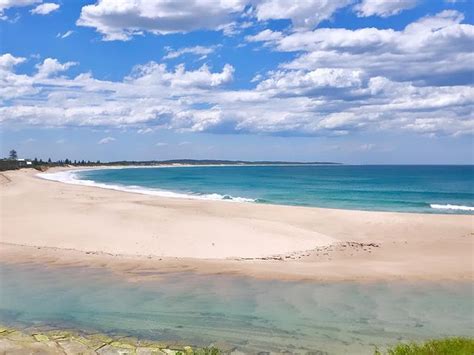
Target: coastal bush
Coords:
[[204, 351], [447, 346], [208, 351]]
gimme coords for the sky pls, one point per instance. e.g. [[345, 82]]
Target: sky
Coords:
[[351, 81]]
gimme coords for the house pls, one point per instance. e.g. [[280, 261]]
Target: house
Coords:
[[23, 163]]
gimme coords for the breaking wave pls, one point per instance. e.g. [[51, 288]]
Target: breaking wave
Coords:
[[71, 177], [452, 207]]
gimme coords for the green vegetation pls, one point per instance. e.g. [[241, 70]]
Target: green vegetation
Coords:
[[13, 155], [204, 351], [13, 163], [447, 346]]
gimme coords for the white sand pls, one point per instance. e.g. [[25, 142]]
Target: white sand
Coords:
[[312, 242]]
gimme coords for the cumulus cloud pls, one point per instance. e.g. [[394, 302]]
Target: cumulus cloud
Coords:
[[200, 51], [121, 20], [106, 140], [383, 8], [45, 9], [433, 50], [338, 81], [303, 82], [180, 77], [8, 61], [303, 14], [52, 66], [7, 4], [322, 101], [151, 94], [11, 84], [265, 36]]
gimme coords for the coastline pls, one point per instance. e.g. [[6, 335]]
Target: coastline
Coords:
[[68, 175], [71, 342], [65, 224]]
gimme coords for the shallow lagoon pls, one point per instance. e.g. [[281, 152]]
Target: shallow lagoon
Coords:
[[235, 312]]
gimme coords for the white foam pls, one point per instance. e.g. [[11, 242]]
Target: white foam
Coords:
[[452, 207], [71, 177]]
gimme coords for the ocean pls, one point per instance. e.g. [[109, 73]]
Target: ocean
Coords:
[[401, 188]]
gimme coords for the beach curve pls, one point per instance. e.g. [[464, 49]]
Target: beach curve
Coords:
[[253, 239]]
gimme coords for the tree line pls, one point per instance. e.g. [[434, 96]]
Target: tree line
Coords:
[[13, 155]]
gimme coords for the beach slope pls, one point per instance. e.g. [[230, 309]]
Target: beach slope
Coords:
[[68, 221]]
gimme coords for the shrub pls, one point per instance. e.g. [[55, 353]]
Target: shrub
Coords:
[[447, 346]]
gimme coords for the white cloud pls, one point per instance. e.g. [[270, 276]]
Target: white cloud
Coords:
[[11, 84], [265, 36], [45, 9], [7, 61], [257, 78], [339, 81], [435, 49], [201, 51], [120, 20], [303, 14], [65, 34], [106, 140], [157, 73], [383, 8], [145, 130], [7, 4], [152, 93], [161, 144], [51, 66], [302, 82]]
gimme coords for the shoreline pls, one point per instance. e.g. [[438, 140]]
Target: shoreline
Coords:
[[138, 268], [65, 224], [54, 340], [69, 178]]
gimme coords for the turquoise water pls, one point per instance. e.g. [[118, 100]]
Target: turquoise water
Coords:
[[426, 189], [237, 312]]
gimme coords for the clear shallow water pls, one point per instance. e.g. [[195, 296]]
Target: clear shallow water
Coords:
[[426, 189], [250, 314]]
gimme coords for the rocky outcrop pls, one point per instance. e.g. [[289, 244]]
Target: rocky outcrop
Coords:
[[13, 341]]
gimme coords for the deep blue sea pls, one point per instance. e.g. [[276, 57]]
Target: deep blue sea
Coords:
[[426, 189]]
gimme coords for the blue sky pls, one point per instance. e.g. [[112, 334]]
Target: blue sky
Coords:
[[354, 81]]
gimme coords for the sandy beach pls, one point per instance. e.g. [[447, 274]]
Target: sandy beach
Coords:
[[140, 235]]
